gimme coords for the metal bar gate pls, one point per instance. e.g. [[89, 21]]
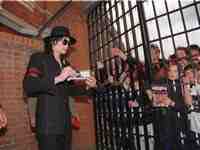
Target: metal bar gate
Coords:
[[133, 26]]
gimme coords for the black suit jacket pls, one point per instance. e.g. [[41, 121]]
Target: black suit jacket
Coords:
[[176, 96], [52, 114]]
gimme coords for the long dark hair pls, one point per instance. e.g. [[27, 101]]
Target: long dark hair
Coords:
[[48, 49], [48, 44]]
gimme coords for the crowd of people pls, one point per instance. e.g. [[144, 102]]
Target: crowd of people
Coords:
[[175, 87]]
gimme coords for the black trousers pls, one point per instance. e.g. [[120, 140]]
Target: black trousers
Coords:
[[168, 130], [54, 142]]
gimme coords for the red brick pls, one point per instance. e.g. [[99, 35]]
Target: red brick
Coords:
[[14, 54]]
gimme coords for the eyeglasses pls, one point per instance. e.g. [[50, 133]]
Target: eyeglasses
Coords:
[[66, 41]]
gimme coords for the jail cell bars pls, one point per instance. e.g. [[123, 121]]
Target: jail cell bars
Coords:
[[114, 23], [118, 126]]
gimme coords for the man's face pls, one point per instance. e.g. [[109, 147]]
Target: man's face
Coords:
[[62, 45], [155, 55], [173, 72], [195, 55], [189, 74], [181, 56]]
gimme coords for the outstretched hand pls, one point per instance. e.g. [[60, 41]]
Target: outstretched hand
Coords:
[[91, 82], [118, 52]]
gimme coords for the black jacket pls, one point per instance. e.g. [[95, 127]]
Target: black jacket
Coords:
[[177, 96], [52, 115]]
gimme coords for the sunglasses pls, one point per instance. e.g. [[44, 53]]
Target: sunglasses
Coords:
[[66, 41]]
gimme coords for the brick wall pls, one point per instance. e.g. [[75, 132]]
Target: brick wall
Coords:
[[14, 54], [84, 139], [14, 51]]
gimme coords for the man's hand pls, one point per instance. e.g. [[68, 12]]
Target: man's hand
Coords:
[[65, 73], [76, 123], [118, 52], [91, 82], [167, 101], [3, 119], [132, 104]]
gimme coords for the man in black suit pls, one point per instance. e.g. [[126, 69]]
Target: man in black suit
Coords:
[[47, 78]]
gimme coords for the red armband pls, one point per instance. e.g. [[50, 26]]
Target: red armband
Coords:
[[33, 72]]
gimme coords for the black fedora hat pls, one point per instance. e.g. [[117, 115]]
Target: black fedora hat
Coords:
[[59, 32]]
